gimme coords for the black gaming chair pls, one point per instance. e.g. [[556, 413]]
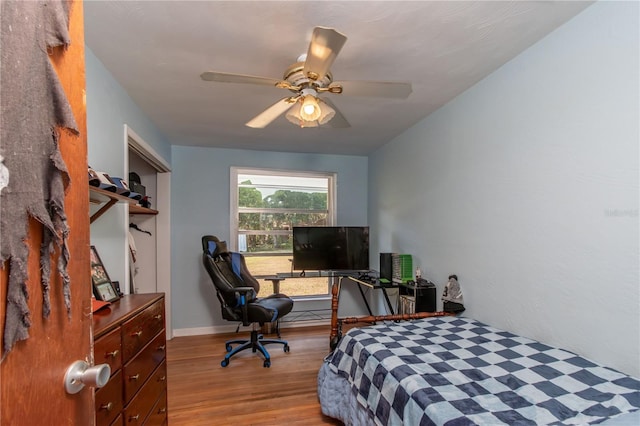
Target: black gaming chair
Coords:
[[237, 291]]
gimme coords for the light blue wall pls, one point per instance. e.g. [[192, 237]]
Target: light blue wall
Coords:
[[527, 186], [109, 108], [200, 196]]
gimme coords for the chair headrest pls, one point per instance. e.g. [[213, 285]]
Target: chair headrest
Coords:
[[213, 246]]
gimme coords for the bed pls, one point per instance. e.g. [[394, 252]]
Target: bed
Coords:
[[450, 370]]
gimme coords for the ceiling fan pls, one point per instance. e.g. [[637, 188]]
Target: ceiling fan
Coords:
[[309, 77]]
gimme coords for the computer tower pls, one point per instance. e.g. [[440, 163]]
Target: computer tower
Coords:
[[386, 266]]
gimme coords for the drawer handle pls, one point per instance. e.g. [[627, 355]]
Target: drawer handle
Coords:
[[112, 354], [158, 317], [134, 418], [136, 377], [162, 379], [108, 406], [162, 411], [136, 334], [161, 348]]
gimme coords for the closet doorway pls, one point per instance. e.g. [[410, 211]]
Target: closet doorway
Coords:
[[151, 270]]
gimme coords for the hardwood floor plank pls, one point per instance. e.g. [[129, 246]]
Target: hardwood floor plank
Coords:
[[203, 393]]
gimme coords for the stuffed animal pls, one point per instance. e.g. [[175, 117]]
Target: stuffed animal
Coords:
[[452, 296]]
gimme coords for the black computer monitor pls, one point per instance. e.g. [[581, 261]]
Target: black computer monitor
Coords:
[[331, 248]]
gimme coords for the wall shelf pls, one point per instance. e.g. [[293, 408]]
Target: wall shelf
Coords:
[[108, 199]]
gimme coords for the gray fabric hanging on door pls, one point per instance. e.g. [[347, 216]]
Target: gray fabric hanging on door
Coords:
[[33, 108]]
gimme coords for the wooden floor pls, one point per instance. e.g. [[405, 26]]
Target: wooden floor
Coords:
[[202, 392]]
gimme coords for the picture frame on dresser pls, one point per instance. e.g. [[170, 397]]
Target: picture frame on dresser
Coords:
[[103, 288]]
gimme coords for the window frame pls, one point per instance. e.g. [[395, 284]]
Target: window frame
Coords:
[[234, 210]]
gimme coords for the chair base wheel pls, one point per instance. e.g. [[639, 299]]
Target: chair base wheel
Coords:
[[266, 364], [286, 348], [224, 362]]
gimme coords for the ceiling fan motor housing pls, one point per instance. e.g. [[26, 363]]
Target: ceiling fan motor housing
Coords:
[[295, 76]]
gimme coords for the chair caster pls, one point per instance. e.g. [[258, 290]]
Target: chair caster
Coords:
[[286, 348], [266, 363], [224, 362], [229, 348]]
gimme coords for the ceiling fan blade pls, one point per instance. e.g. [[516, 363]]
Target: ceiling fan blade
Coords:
[[382, 89], [274, 111], [223, 77], [323, 49], [338, 121]]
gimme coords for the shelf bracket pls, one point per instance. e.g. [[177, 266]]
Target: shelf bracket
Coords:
[[102, 210]]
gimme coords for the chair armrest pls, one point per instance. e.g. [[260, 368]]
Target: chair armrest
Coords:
[[242, 294], [243, 290], [275, 282]]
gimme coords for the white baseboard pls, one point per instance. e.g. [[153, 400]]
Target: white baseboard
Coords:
[[220, 329]]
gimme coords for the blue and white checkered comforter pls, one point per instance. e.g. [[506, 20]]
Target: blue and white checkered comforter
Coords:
[[450, 370]]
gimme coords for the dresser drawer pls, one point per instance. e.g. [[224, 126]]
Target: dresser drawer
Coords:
[[137, 371], [119, 421], [139, 330], [140, 407], [158, 414], [108, 350], [109, 401], [159, 377]]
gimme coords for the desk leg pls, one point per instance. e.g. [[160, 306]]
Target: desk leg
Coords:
[[365, 299], [386, 297]]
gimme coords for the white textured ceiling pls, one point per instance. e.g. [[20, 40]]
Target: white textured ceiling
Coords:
[[157, 50]]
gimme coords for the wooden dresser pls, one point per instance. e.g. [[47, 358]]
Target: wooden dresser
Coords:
[[129, 335]]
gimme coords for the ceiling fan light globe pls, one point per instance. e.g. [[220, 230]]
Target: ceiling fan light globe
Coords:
[[326, 114], [293, 116], [310, 110]]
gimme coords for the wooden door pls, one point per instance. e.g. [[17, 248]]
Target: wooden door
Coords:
[[31, 376]]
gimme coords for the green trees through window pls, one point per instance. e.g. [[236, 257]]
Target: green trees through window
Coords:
[[268, 205]]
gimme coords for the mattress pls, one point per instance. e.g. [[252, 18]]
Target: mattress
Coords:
[[454, 370]]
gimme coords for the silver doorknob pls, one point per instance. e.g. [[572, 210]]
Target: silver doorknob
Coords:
[[80, 373]]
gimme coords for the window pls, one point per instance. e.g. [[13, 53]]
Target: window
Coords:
[[266, 205]]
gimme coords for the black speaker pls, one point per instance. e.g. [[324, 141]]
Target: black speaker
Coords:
[[386, 266]]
